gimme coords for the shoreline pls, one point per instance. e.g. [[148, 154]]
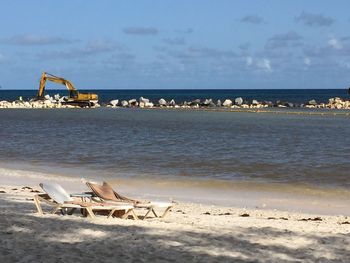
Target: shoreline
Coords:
[[239, 194], [277, 111]]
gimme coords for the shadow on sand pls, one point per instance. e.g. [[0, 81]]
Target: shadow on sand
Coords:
[[25, 237]]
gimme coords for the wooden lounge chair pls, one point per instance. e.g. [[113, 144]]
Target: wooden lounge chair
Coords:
[[107, 193], [60, 200]]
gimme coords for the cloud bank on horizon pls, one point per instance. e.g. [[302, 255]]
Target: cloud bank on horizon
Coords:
[[177, 44]]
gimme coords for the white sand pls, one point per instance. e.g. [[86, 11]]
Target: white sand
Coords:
[[190, 233]]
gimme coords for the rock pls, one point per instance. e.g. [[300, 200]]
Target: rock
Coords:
[[254, 102], [312, 102], [124, 103], [289, 104], [47, 97], [211, 104], [218, 103], [149, 104], [207, 102], [268, 103], [144, 100], [238, 101], [194, 103], [172, 103], [114, 103], [133, 103], [146, 104], [56, 96], [47, 102], [227, 103], [162, 102]]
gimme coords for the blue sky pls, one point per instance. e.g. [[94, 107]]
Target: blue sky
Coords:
[[176, 44]]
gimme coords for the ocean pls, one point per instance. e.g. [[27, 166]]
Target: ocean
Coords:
[[206, 146]]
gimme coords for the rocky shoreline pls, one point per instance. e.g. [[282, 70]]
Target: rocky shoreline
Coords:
[[238, 103]]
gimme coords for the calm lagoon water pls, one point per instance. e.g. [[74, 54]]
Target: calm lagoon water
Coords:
[[172, 144]]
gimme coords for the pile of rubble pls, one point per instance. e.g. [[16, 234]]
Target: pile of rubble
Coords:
[[49, 102], [333, 103]]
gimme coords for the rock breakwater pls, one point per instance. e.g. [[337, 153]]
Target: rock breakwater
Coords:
[[236, 103]]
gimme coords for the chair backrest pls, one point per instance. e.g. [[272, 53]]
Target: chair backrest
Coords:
[[56, 192], [104, 191]]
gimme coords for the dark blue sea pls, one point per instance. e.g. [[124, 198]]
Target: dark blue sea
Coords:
[[294, 96]]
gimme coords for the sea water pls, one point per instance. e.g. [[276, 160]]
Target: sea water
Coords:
[[179, 144]]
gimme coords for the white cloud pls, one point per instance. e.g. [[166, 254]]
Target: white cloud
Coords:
[[307, 61], [335, 43], [263, 64]]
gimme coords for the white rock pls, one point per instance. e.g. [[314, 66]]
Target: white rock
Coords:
[[124, 103], [162, 102], [172, 103], [227, 103], [47, 102], [133, 102], [255, 102], [144, 100], [238, 101], [114, 103]]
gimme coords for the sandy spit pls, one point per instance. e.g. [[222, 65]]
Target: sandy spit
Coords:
[[190, 233]]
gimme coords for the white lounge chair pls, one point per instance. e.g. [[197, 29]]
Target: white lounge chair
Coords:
[[57, 197]]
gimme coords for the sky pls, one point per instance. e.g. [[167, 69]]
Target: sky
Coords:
[[163, 44]]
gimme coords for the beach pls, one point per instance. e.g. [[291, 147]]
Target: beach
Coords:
[[248, 187], [191, 232]]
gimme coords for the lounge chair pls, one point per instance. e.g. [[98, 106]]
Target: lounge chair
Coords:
[[107, 193], [57, 197]]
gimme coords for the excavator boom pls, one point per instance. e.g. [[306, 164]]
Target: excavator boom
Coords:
[[73, 95]]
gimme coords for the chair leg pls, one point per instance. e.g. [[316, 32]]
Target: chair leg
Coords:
[[130, 212], [154, 212], [149, 211], [37, 204], [125, 216], [90, 212], [165, 212], [134, 215], [111, 213]]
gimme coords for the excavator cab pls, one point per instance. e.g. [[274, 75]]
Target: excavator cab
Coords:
[[72, 94]]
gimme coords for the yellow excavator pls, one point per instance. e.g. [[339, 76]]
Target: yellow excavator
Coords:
[[74, 97]]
